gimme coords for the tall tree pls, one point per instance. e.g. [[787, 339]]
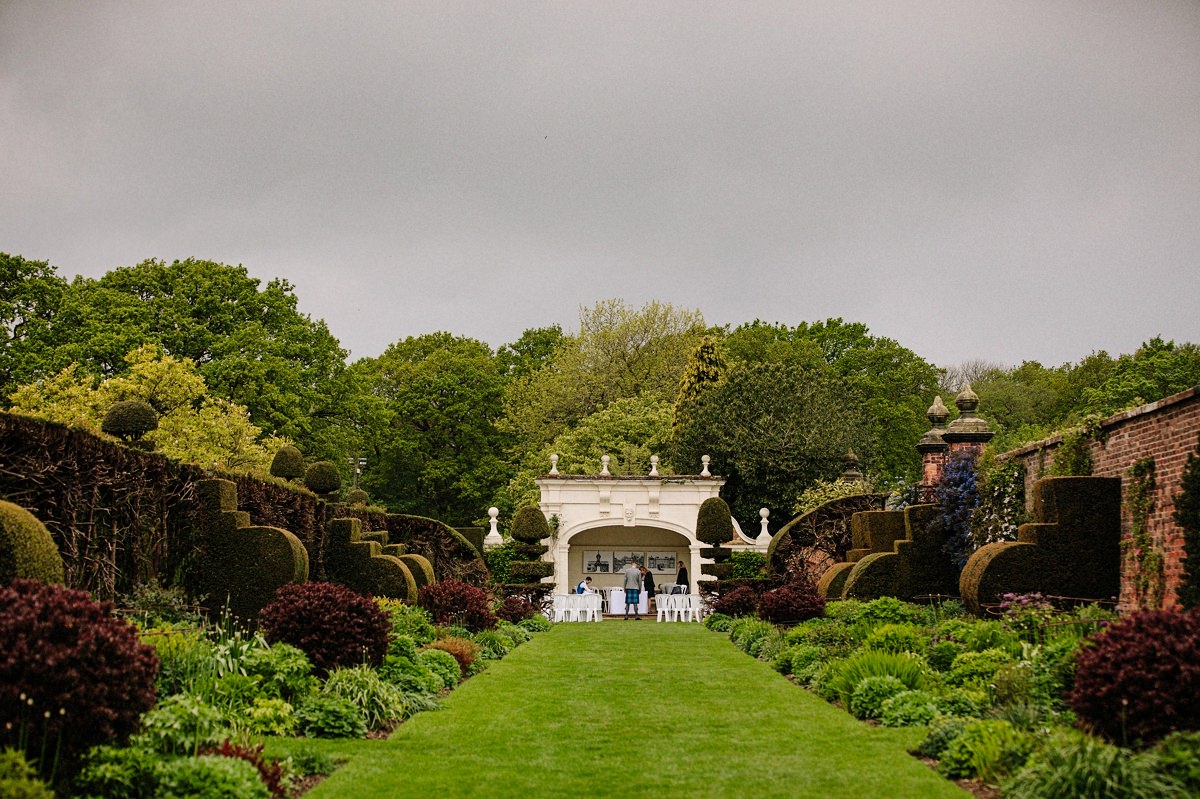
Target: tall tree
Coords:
[[772, 430], [705, 369], [438, 453], [30, 294]]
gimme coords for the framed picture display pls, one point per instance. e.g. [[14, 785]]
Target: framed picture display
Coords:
[[622, 558], [597, 561], [661, 562]]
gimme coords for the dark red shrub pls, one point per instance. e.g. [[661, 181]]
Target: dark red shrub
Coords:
[[791, 603], [1140, 678], [515, 609], [738, 602], [333, 625], [70, 671], [454, 602], [271, 771]]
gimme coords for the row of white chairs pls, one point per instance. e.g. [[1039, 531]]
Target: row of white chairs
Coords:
[[678, 607], [578, 607]]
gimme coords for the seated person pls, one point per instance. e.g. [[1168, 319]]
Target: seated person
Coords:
[[585, 586]]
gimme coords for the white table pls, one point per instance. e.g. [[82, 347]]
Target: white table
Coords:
[[616, 602]]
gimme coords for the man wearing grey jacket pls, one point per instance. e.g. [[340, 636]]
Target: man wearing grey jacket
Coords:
[[633, 589]]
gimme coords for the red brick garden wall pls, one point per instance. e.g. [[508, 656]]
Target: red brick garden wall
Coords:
[[1166, 431]]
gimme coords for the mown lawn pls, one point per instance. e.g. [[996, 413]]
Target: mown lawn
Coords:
[[626, 709]]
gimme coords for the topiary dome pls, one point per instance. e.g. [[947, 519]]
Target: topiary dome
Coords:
[[26, 548], [322, 478], [129, 420], [714, 524], [529, 525], [356, 496], [288, 463]]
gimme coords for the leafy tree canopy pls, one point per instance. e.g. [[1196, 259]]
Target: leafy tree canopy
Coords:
[[193, 425], [30, 294], [436, 450]]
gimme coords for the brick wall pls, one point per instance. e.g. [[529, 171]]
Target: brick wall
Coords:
[[1166, 431]]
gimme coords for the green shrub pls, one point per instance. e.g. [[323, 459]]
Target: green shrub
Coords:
[[747, 565], [908, 709], [797, 657], [1178, 757], [379, 701], [941, 654], [942, 730], [977, 668], [181, 725], [714, 523], [308, 761], [443, 665], [908, 669], [285, 671], [987, 749], [492, 645], [749, 631], [157, 606], [844, 610], [410, 676], [535, 624], [124, 772], [211, 777], [356, 496], [288, 463], [411, 620], [270, 716], [129, 420], [896, 638], [989, 635], [514, 634], [464, 650], [889, 610], [328, 716], [26, 549], [718, 622], [322, 478], [18, 779], [233, 693], [962, 702], [866, 701], [1082, 767]]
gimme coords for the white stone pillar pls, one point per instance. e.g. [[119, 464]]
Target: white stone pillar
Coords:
[[493, 538]]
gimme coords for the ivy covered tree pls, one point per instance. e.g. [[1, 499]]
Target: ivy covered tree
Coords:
[[1187, 516]]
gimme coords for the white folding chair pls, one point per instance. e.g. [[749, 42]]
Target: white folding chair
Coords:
[[666, 607], [590, 608], [687, 607], [560, 607]]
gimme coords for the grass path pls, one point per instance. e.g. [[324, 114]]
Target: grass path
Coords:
[[623, 709]]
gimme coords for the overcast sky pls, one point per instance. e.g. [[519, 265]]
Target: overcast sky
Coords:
[[1005, 181]]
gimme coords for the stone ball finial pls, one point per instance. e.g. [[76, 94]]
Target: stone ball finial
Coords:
[[704, 461], [604, 461], [967, 400], [938, 413], [554, 464], [764, 513], [654, 466]]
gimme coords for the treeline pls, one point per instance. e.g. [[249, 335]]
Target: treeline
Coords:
[[448, 425]]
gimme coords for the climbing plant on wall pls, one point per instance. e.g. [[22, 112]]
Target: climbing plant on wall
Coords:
[[957, 497], [1144, 558], [1187, 516]]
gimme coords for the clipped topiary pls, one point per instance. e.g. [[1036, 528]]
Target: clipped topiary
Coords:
[[455, 602], [288, 463], [26, 548], [362, 565], [529, 525], [333, 625], [356, 496], [1140, 678], [129, 420], [72, 675], [714, 523], [322, 478]]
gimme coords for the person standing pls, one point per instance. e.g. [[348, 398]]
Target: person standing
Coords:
[[682, 577], [648, 584], [633, 589]]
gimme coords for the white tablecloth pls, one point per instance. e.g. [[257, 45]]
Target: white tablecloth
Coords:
[[616, 602]]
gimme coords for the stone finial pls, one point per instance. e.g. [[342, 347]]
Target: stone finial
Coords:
[[554, 464], [764, 533], [851, 471], [604, 466], [493, 538], [704, 461], [938, 413], [654, 466], [967, 422]]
